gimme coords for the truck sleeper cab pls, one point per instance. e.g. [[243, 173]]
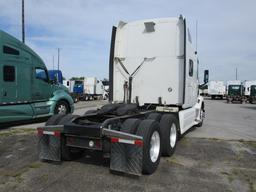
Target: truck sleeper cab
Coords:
[[153, 99], [252, 98], [247, 85], [25, 89], [235, 93]]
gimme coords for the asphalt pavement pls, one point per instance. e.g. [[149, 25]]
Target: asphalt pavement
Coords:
[[219, 156], [227, 121]]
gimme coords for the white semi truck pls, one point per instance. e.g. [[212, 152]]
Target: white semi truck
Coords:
[[153, 100], [247, 88], [69, 84], [216, 89]]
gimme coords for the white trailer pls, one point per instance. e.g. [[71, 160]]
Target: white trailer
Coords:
[[69, 84], [216, 89], [153, 99]]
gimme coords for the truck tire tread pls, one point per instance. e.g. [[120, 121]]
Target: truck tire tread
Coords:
[[165, 126], [146, 129]]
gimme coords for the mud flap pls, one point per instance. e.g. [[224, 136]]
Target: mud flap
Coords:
[[49, 145], [126, 157]]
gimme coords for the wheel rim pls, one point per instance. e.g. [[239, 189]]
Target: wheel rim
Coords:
[[62, 109], [201, 115], [173, 135], [154, 146]]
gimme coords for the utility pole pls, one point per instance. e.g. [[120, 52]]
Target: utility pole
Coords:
[[196, 34], [236, 73], [53, 62], [58, 59], [23, 23], [58, 64]]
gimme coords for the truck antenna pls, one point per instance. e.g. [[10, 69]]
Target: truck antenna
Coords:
[[23, 22], [236, 73], [196, 35], [53, 62]]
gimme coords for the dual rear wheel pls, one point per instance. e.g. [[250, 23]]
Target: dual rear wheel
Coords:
[[160, 134]]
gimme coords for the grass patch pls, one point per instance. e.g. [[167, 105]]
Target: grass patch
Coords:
[[242, 174], [174, 161], [17, 131], [228, 175], [35, 165], [17, 174], [250, 143]]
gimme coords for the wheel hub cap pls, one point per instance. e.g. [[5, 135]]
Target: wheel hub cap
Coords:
[[62, 109], [154, 146], [173, 135]]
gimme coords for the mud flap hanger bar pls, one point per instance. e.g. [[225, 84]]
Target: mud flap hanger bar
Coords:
[[121, 135]]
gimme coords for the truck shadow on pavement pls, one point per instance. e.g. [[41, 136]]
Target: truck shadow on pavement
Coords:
[[249, 107], [19, 123], [94, 158]]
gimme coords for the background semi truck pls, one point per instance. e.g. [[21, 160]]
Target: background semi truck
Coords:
[[252, 97], [216, 89], [89, 88], [55, 76], [234, 91], [153, 73], [248, 87], [26, 91]]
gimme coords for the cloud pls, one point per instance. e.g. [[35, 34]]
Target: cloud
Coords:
[[82, 29]]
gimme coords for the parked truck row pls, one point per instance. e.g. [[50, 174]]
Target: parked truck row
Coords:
[[87, 88], [233, 91]]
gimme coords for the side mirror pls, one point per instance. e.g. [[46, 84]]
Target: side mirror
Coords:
[[206, 76]]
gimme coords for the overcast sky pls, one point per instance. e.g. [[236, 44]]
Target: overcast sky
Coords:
[[82, 29]]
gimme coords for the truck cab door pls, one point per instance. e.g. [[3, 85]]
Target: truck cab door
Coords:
[[9, 83]]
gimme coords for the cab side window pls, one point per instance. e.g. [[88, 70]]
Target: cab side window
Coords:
[[41, 74], [9, 73], [10, 50], [191, 68]]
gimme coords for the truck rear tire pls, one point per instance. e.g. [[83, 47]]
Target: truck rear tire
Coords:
[[154, 116], [67, 118], [130, 125], [169, 127], [90, 111], [54, 120], [150, 131]]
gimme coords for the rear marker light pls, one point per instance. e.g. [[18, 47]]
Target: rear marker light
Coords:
[[138, 142], [114, 140], [57, 133], [127, 141], [40, 132]]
